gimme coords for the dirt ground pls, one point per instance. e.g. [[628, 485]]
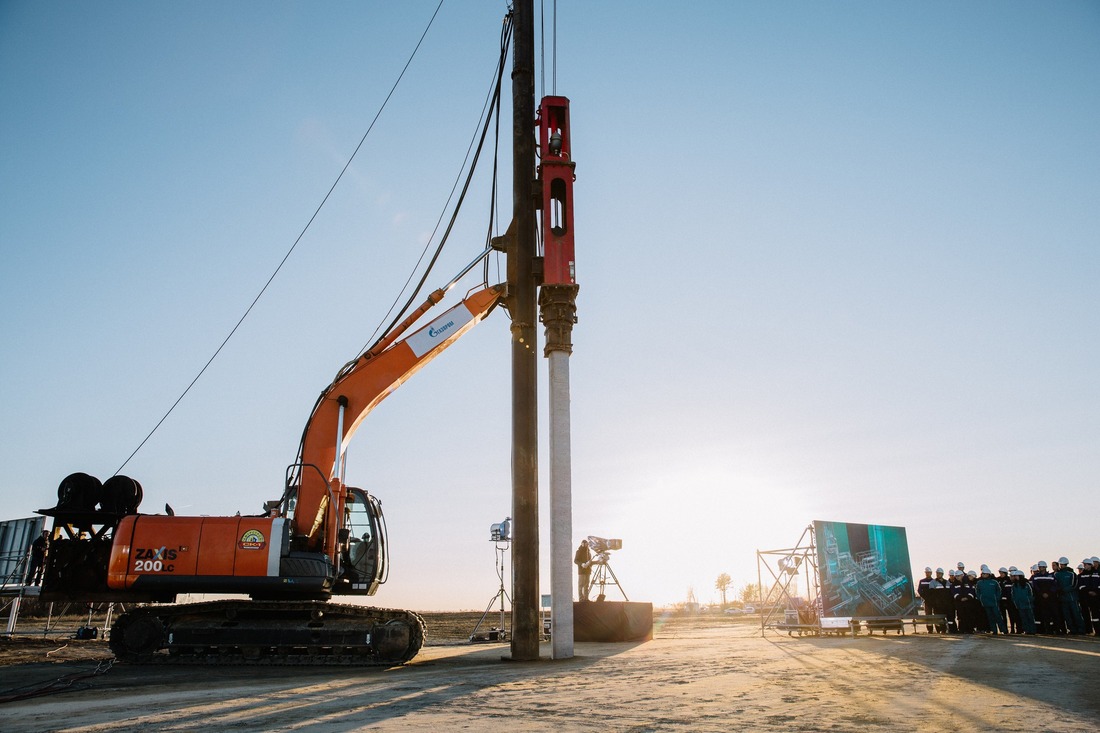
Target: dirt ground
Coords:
[[697, 674]]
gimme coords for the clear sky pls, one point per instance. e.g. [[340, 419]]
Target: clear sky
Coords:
[[838, 261]]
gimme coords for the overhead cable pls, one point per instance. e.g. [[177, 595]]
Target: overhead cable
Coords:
[[493, 99], [293, 246]]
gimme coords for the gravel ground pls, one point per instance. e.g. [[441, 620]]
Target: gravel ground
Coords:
[[698, 674]]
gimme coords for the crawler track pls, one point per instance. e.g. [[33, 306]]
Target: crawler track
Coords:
[[267, 633]]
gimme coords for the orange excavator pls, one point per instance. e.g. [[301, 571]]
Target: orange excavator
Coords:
[[321, 538]]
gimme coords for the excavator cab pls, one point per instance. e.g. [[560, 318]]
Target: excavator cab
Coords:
[[363, 559]]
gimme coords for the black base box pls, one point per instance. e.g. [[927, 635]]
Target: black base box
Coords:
[[612, 621]]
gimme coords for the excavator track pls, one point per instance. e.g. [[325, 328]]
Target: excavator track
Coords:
[[267, 633]]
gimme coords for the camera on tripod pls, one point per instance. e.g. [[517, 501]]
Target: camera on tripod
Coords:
[[602, 575], [601, 548]]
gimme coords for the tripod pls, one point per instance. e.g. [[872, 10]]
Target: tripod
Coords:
[[501, 632], [601, 569]]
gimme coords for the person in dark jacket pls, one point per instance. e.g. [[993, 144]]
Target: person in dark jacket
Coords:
[[1048, 614], [583, 560], [967, 607], [924, 590], [940, 592], [1089, 589], [1008, 611], [39, 548], [949, 603], [1084, 569]]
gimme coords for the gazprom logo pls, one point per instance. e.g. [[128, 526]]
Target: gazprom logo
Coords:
[[436, 331]]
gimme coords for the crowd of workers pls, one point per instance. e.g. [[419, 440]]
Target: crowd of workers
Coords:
[[1054, 600]]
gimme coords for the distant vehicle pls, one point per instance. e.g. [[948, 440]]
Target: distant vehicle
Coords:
[[750, 609], [734, 611]]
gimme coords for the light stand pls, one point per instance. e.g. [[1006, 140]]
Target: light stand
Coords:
[[501, 536]]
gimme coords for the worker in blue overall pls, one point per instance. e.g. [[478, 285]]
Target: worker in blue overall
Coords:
[[988, 591], [1068, 598], [1024, 600]]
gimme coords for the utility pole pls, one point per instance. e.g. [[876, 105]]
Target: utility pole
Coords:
[[526, 631]]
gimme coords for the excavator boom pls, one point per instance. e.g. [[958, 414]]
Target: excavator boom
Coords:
[[357, 390]]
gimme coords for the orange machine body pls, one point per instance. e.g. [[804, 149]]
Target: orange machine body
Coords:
[[197, 554]]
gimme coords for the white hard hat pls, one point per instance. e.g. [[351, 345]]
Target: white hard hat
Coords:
[[1018, 573], [972, 574], [1095, 559], [960, 566], [1042, 563], [940, 571], [1003, 570], [1034, 568], [985, 569], [928, 569], [1012, 568], [1063, 561], [1081, 566]]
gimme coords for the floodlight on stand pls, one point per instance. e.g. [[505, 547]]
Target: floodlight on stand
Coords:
[[500, 534], [501, 531]]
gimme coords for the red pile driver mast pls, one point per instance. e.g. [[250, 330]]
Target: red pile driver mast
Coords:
[[556, 174], [558, 312]]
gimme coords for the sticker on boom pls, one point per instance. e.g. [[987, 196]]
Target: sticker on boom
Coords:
[[253, 539]]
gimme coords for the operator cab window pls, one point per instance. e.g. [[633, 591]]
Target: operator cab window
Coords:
[[362, 548]]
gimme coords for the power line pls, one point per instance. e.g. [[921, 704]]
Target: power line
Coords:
[[293, 246], [491, 106]]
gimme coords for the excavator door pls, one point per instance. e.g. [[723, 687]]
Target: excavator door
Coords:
[[363, 561]]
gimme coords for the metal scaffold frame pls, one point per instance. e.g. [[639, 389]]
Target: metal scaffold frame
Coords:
[[778, 605]]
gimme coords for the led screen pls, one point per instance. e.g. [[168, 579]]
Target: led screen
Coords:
[[864, 569]]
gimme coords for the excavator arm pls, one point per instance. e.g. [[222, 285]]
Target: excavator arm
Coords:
[[357, 390]]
